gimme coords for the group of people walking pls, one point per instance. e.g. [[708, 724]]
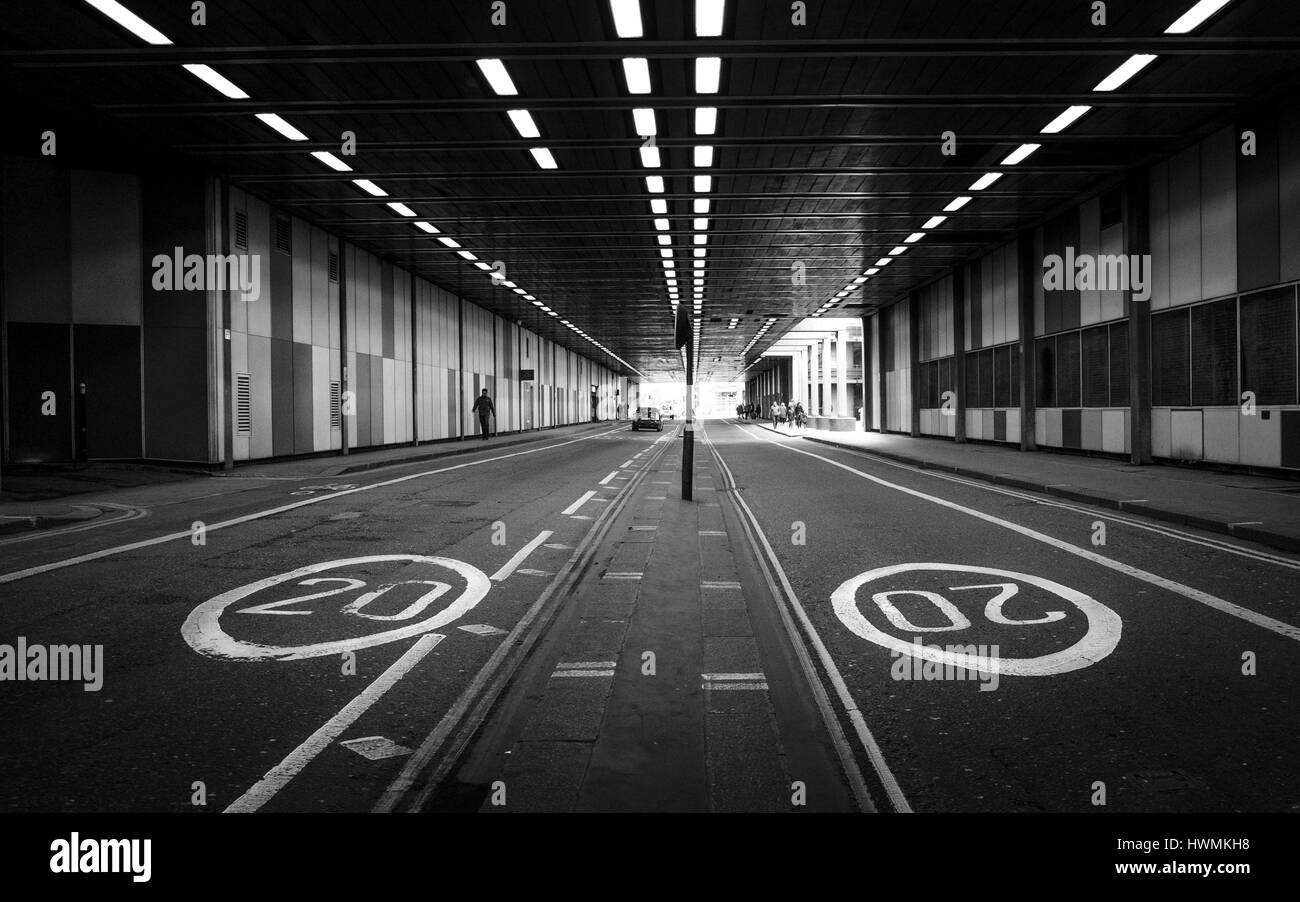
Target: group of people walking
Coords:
[[780, 413]]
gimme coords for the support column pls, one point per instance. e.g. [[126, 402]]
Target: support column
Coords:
[[1136, 214], [827, 407], [959, 352], [913, 356], [1027, 270], [842, 373], [881, 358]]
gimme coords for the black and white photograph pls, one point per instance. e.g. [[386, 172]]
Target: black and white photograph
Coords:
[[849, 433]]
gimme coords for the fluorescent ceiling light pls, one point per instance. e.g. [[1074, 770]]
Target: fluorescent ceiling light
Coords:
[[643, 120], [956, 204], [524, 124], [1196, 16], [914, 237], [627, 18], [898, 250], [552, 313], [668, 264], [699, 264], [701, 225], [130, 21], [518, 291], [467, 255], [370, 187], [884, 261], [704, 155], [450, 242], [483, 266], [497, 77], [872, 271], [708, 18], [708, 74], [700, 252], [331, 161], [1065, 120], [544, 158], [1127, 69], [984, 181], [1020, 154], [401, 208], [706, 120], [637, 72], [859, 280], [509, 284], [667, 254], [654, 184], [215, 79], [284, 128], [662, 225], [659, 207], [703, 183], [701, 239], [650, 157], [934, 222], [427, 227]]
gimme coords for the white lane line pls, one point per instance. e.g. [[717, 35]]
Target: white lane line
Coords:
[[572, 508], [644, 528], [1246, 523], [629, 575], [1205, 598], [278, 777], [608, 479], [520, 556], [772, 572], [625, 464], [270, 512], [731, 687], [1096, 513], [712, 532], [656, 497], [733, 676], [482, 629], [127, 514], [586, 665], [719, 584]]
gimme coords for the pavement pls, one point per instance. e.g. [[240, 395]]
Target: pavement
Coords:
[[1257, 508], [548, 626]]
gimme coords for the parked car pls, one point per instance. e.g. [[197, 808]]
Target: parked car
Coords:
[[667, 411], [647, 418]]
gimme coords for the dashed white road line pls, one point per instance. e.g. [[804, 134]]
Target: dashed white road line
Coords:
[[608, 479], [573, 508], [520, 556], [279, 776]]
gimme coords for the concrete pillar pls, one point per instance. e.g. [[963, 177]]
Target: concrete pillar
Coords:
[[959, 351], [1135, 210], [1027, 272], [878, 362], [842, 374], [827, 405], [913, 357]]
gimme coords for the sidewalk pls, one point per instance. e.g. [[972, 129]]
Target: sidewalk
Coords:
[[1256, 508], [662, 686]]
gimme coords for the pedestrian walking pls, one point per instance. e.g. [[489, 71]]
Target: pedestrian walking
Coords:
[[485, 409]]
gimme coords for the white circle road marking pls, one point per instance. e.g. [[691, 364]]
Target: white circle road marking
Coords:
[[202, 629], [1104, 625]]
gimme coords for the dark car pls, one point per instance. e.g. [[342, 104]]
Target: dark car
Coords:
[[647, 418]]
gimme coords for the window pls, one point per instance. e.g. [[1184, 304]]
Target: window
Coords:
[[1096, 367], [1214, 354], [241, 230], [1045, 396], [1170, 382], [1268, 346], [283, 235], [1068, 390]]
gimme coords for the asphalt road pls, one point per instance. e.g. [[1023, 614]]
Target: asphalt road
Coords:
[[317, 611], [236, 695], [1125, 681]]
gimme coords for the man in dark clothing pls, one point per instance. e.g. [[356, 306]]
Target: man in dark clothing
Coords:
[[484, 408]]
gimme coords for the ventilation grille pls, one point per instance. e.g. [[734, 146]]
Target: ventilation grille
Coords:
[[283, 235], [241, 230], [243, 404], [334, 266], [336, 405]]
